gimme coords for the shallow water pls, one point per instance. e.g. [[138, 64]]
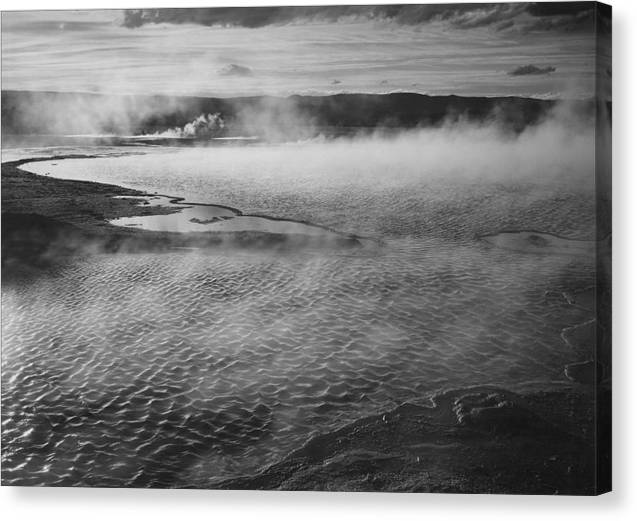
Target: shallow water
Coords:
[[184, 368], [211, 218]]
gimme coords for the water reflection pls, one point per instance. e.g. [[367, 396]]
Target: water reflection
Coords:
[[189, 217]]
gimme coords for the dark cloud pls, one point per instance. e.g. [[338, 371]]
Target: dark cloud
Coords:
[[505, 25], [535, 16], [251, 17], [235, 70], [581, 21], [529, 70], [557, 8], [460, 14], [481, 15]]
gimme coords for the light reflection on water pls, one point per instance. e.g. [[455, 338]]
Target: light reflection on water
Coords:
[[210, 218]]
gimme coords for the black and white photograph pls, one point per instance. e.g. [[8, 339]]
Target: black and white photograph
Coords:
[[339, 248]]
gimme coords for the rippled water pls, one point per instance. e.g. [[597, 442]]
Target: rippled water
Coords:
[[184, 368]]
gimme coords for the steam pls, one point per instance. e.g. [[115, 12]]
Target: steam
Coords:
[[360, 182], [205, 126], [269, 118], [38, 113], [235, 70]]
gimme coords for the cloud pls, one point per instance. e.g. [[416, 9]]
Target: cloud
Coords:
[[577, 22], [507, 24], [487, 15], [534, 16], [557, 8], [235, 70], [528, 70]]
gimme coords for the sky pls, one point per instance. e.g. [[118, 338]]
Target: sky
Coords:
[[479, 49]]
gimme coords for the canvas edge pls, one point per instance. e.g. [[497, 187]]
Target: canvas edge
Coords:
[[603, 217]]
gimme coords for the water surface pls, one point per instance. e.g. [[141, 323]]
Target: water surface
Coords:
[[184, 368]]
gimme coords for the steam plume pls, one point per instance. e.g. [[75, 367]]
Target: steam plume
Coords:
[[205, 126]]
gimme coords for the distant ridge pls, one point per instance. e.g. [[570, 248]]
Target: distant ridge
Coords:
[[64, 113]]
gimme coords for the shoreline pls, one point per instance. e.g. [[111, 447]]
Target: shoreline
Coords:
[[182, 200], [45, 219]]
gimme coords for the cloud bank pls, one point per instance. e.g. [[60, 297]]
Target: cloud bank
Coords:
[[533, 16]]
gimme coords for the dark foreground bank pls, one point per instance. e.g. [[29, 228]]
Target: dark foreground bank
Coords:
[[476, 441]]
